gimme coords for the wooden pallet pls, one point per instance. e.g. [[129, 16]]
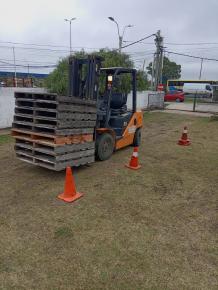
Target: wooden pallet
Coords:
[[51, 162], [54, 131], [52, 114], [53, 149], [55, 99], [50, 139], [46, 156]]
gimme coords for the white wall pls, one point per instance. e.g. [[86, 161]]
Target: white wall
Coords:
[[147, 99], [7, 104], [142, 100]]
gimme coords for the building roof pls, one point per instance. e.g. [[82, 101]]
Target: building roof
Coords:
[[22, 75]]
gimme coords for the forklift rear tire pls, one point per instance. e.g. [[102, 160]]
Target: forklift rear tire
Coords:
[[105, 146], [137, 138]]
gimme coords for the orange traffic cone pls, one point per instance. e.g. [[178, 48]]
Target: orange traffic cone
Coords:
[[69, 194], [184, 141], [134, 163]]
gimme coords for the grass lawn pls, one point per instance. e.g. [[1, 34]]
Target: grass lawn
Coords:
[[155, 228], [5, 139]]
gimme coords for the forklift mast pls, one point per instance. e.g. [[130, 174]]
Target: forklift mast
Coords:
[[84, 74], [84, 77]]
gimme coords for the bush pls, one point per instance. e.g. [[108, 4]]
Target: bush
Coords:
[[57, 81]]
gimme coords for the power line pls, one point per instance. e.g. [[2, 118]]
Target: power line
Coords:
[[183, 44], [132, 43], [193, 49], [192, 43], [141, 42], [41, 49], [34, 48], [26, 66], [32, 44], [29, 61], [58, 50], [141, 52], [191, 56], [46, 45], [141, 57]]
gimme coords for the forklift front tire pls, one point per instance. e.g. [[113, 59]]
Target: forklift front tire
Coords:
[[104, 146], [137, 138]]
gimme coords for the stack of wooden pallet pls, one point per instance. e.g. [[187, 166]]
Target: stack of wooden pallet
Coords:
[[54, 131]]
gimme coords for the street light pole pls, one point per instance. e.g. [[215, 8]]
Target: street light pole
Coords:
[[124, 29], [120, 37], [70, 21]]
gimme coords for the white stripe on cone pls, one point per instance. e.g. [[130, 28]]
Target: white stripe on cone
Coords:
[[135, 154]]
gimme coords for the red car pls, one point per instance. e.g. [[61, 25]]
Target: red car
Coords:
[[174, 96]]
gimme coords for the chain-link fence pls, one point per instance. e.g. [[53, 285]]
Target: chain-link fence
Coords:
[[195, 103]]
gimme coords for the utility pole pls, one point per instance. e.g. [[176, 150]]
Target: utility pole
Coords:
[[143, 66], [152, 72], [158, 60], [161, 64], [195, 98], [15, 69], [201, 68]]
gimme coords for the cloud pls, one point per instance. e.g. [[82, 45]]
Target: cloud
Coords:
[[43, 22]]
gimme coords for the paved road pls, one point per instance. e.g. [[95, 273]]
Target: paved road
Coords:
[[208, 108]]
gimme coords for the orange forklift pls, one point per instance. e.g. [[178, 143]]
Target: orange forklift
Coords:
[[117, 126]]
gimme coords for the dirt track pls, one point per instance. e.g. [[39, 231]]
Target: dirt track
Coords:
[[149, 229]]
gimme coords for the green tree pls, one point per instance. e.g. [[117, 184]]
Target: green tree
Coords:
[[171, 70], [142, 81], [57, 81]]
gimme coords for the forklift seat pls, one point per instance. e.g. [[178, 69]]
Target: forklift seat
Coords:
[[117, 105], [118, 100], [118, 115]]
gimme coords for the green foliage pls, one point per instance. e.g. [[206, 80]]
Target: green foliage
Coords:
[[142, 81], [171, 70], [114, 58], [5, 139], [38, 82], [57, 81]]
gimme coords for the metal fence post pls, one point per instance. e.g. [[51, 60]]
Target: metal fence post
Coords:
[[148, 101], [194, 103]]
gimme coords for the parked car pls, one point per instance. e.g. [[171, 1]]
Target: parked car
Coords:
[[173, 96], [202, 90]]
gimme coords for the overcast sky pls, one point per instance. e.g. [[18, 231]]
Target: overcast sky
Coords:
[[42, 22]]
